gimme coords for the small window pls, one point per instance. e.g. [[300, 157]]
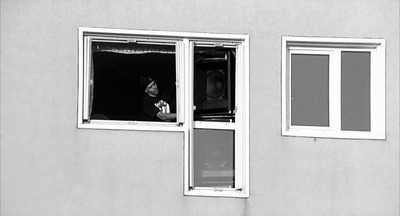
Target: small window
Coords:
[[333, 87], [217, 150]]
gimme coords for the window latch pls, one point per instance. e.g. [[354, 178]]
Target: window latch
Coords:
[[218, 189], [218, 44], [131, 40]]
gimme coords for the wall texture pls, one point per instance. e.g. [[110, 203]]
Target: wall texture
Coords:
[[49, 167]]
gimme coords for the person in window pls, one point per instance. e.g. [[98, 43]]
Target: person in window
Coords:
[[156, 105]]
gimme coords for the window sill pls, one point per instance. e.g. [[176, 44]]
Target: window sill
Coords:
[[217, 192], [335, 134], [132, 125]]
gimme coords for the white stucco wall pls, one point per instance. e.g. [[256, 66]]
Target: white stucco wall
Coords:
[[49, 167]]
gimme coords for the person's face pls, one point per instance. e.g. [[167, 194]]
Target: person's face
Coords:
[[152, 89]]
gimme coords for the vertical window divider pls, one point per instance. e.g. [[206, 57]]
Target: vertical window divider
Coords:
[[189, 107], [180, 81], [335, 90]]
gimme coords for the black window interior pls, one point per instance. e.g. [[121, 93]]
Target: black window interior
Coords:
[[117, 93], [214, 84]]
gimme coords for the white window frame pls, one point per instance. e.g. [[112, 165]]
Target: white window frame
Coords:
[[240, 126], [333, 48], [86, 36], [184, 77]]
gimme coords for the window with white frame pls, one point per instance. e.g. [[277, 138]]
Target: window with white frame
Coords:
[[206, 74], [333, 87]]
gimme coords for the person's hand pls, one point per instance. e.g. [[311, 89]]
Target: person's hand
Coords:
[[163, 106], [167, 110]]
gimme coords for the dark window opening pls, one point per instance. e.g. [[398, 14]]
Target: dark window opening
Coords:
[[214, 84], [116, 76]]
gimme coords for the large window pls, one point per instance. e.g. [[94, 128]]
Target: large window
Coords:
[[112, 68], [333, 87], [205, 78]]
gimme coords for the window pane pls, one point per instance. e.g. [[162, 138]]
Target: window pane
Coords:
[[356, 91], [214, 84], [117, 69], [214, 158], [310, 90]]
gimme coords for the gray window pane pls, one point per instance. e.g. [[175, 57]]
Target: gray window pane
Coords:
[[214, 158], [356, 87], [310, 90]]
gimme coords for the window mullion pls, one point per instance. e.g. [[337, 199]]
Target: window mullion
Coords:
[[189, 58], [180, 81], [335, 90]]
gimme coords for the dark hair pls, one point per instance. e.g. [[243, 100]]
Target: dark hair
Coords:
[[145, 81]]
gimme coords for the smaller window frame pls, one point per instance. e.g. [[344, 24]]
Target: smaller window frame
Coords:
[[334, 46], [240, 126]]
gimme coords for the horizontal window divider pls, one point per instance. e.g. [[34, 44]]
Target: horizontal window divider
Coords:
[[332, 45], [215, 125]]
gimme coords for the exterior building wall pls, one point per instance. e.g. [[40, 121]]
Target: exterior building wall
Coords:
[[49, 167]]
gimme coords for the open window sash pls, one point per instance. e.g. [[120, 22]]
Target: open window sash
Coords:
[[88, 74]]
